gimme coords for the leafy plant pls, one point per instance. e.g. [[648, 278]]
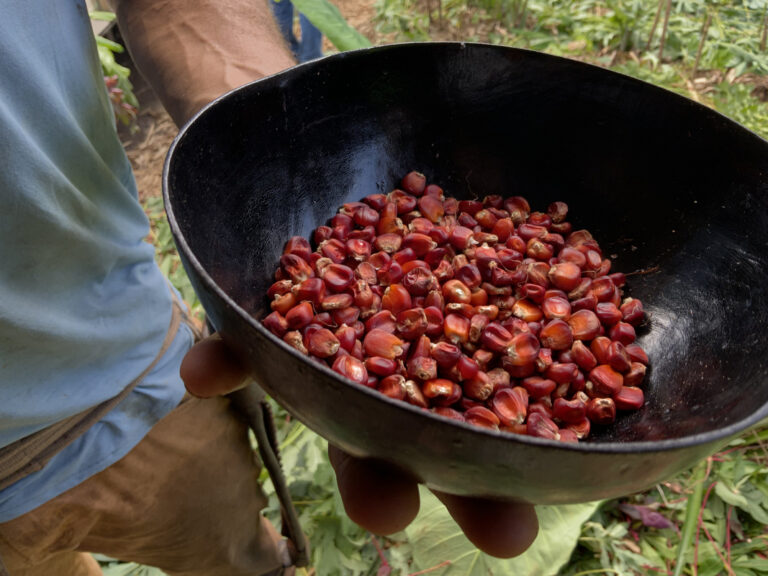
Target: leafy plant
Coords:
[[116, 77]]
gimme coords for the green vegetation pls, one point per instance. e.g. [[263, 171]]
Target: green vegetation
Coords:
[[708, 521]]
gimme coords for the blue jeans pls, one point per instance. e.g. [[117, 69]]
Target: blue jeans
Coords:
[[310, 46]]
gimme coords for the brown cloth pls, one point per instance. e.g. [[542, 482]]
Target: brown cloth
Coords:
[[32, 453], [186, 499]]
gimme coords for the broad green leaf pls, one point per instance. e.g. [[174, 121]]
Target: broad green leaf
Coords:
[[730, 497], [330, 22], [436, 538]]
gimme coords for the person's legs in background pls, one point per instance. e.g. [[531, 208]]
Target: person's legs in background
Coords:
[[283, 12], [311, 46]]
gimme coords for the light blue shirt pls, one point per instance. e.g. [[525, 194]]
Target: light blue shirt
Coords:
[[83, 306]]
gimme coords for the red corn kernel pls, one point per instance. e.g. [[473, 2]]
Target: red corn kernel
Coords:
[[538, 387], [405, 202], [279, 288], [299, 316], [599, 347], [396, 299], [573, 256], [496, 338], [527, 231], [295, 268], [390, 273], [511, 405], [606, 380], [539, 219], [580, 429], [414, 395], [562, 372], [321, 234], [323, 344], [419, 281], [388, 220], [635, 375], [311, 289], [421, 368], [445, 354], [629, 398], [324, 319], [481, 416], [456, 291], [587, 303], [432, 208], [467, 368], [434, 321], [602, 289], [623, 332], [283, 303], [632, 311], [556, 335], [295, 340], [584, 324], [542, 426], [381, 366], [414, 183], [618, 358], [388, 243], [499, 378], [411, 323], [567, 435], [556, 307], [478, 387], [608, 313], [538, 272], [383, 320], [527, 310], [482, 358], [337, 302], [456, 328], [637, 354], [601, 411], [419, 243], [351, 368], [438, 389], [346, 337], [557, 212], [518, 208], [544, 359], [534, 293], [477, 324], [466, 310], [338, 277], [276, 323], [299, 246], [522, 350], [381, 343], [486, 219], [467, 221], [503, 229], [565, 276], [450, 413], [421, 226], [569, 411], [583, 356], [393, 386]]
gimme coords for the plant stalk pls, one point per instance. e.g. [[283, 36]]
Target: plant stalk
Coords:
[[663, 38], [654, 25], [704, 30]]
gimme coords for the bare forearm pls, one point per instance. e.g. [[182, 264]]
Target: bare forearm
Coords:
[[193, 51]]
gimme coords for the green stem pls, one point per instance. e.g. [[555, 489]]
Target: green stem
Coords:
[[691, 519]]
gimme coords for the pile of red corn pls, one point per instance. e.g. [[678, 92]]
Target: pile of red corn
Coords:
[[481, 311]]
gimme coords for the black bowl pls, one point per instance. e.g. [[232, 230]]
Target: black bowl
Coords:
[[664, 184]]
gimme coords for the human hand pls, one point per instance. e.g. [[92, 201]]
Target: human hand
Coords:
[[376, 495]]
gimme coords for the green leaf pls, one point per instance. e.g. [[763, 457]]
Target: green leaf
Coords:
[[330, 22], [102, 15], [436, 538], [730, 497]]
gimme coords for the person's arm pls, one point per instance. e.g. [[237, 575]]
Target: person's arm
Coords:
[[193, 51]]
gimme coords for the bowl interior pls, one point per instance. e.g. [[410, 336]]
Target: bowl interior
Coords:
[[672, 191]]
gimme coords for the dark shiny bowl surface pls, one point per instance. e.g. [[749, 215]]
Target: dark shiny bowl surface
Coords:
[[664, 184]]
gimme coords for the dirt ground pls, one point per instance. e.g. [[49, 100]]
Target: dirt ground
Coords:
[[148, 144]]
